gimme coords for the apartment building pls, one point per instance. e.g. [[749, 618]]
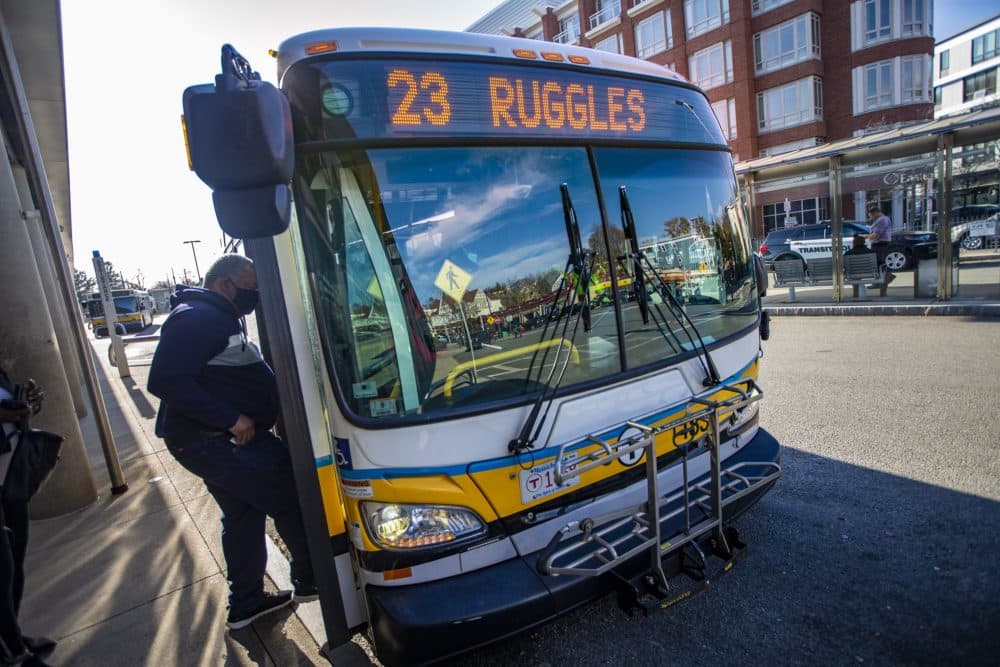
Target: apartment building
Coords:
[[966, 68], [781, 74]]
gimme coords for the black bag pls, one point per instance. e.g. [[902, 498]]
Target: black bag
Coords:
[[35, 456]]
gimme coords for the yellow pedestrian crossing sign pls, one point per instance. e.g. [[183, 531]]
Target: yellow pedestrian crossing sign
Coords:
[[452, 280]]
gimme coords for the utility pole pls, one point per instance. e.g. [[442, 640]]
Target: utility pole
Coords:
[[195, 255]]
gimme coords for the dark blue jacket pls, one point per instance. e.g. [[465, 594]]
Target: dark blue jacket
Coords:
[[205, 370]]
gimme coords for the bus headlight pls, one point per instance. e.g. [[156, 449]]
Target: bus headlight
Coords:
[[396, 526]]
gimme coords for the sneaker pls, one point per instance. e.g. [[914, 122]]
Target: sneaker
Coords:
[[305, 593], [271, 602]]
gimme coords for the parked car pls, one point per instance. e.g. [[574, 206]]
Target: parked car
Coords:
[[478, 338], [962, 218], [777, 244], [786, 244]]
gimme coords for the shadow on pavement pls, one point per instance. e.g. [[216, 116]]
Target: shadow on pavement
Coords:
[[847, 565], [138, 397]]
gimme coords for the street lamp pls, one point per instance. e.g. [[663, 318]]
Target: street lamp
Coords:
[[195, 255]]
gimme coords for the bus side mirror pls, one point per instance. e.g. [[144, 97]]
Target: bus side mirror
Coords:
[[239, 135]]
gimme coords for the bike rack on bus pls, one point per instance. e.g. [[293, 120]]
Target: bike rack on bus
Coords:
[[593, 546]]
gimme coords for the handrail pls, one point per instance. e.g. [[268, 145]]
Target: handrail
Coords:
[[509, 354]]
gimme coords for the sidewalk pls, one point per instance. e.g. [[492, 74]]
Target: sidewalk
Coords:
[[139, 579], [978, 295]]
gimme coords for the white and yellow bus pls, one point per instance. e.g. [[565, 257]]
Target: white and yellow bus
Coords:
[[458, 496], [133, 311]]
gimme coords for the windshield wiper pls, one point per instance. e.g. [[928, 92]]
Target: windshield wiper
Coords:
[[638, 280], [676, 309], [579, 266]]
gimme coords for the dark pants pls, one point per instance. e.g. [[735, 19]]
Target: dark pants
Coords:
[[249, 482], [13, 541]]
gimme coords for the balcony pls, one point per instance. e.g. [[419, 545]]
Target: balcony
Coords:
[[607, 14], [570, 32]]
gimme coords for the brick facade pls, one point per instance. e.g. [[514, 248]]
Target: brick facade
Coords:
[[834, 68]]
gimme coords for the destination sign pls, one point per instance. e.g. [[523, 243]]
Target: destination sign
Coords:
[[421, 98]]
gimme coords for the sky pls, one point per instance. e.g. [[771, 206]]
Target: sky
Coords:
[[127, 62]]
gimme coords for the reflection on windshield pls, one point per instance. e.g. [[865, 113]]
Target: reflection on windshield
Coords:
[[443, 277]]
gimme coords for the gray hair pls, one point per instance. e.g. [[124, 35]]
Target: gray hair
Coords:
[[227, 266]]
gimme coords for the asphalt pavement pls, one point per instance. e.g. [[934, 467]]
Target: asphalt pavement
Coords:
[[877, 546], [879, 543]]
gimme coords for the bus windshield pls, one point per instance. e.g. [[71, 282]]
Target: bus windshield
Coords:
[[415, 250], [124, 305], [437, 269]]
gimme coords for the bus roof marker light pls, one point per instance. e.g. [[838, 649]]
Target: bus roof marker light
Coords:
[[526, 53], [320, 47], [552, 56], [579, 60]]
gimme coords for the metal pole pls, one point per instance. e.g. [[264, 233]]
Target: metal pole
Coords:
[[35, 167], [837, 232], [195, 255], [945, 143], [110, 316]]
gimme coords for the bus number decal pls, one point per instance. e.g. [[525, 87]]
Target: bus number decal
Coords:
[[403, 115], [439, 96], [435, 84]]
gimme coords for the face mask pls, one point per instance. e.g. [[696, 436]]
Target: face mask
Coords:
[[245, 300]]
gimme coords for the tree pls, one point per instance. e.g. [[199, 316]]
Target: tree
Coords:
[[83, 284], [162, 284]]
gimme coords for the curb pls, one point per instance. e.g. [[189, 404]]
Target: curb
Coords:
[[914, 309]]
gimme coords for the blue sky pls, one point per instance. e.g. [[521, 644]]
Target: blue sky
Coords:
[[127, 63]]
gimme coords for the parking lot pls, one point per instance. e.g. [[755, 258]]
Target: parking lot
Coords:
[[879, 544]]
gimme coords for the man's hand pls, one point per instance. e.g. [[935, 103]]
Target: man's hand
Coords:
[[33, 396], [242, 430]]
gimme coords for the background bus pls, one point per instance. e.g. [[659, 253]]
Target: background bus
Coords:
[[456, 496], [133, 311]]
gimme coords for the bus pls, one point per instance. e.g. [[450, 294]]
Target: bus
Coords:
[[454, 497], [133, 311]]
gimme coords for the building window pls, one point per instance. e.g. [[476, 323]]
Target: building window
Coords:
[[761, 6], [913, 18], [878, 85], [980, 85], [653, 35], [916, 82], [984, 47], [878, 24], [805, 211], [713, 66], [787, 43], [792, 104], [612, 44], [725, 111], [605, 11], [937, 97], [945, 63], [700, 16], [569, 30]]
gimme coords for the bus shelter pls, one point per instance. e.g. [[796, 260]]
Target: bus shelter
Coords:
[[938, 181]]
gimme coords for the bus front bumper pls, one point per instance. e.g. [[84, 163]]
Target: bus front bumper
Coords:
[[418, 624]]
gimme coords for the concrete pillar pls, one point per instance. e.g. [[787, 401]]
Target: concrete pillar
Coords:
[[43, 259], [28, 348]]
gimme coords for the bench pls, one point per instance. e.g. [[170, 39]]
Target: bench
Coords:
[[861, 270], [792, 273]]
